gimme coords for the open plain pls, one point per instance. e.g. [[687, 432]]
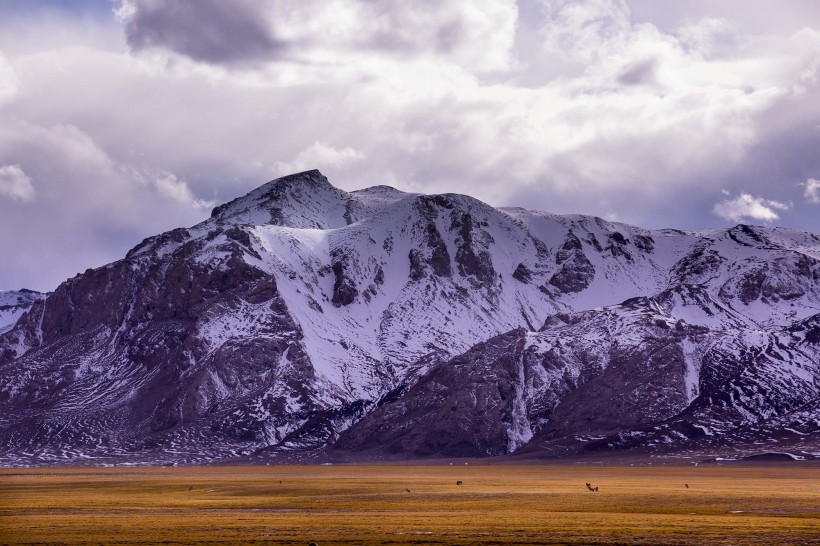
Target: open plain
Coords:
[[495, 504]]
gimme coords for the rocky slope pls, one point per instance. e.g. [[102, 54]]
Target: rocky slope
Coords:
[[304, 319]]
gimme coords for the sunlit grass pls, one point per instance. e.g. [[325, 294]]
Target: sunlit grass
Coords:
[[370, 504]]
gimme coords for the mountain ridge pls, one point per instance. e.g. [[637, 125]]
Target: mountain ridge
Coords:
[[299, 318]]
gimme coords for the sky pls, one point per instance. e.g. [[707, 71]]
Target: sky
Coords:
[[121, 119]]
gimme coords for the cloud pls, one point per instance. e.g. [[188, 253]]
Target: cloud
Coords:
[[87, 202], [9, 82], [15, 184], [211, 31], [745, 206], [564, 106], [320, 155], [812, 193], [580, 29], [710, 36], [478, 34], [172, 187]]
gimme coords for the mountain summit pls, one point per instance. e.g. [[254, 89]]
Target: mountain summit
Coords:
[[301, 321]]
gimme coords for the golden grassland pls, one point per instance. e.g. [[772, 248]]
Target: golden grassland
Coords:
[[497, 504]]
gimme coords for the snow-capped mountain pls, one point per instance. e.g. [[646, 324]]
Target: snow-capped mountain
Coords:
[[13, 304], [302, 318]]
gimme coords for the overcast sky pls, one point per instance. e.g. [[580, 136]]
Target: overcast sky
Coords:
[[123, 119]]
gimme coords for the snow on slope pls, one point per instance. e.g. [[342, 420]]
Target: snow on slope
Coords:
[[13, 304]]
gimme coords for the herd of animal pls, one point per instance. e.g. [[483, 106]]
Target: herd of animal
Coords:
[[590, 487]]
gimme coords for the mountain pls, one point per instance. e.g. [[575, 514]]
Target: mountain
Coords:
[[301, 321], [13, 304]]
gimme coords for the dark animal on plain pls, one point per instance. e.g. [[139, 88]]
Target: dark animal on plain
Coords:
[[596, 489], [189, 488], [459, 482], [589, 486], [686, 485], [407, 490]]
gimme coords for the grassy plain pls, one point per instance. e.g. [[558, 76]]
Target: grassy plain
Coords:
[[496, 504]]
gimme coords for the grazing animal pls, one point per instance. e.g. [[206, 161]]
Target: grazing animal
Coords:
[[596, 489], [459, 482], [189, 488], [593, 489], [407, 490], [686, 485]]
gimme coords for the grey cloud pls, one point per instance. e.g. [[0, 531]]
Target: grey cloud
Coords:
[[250, 32], [642, 72], [210, 31]]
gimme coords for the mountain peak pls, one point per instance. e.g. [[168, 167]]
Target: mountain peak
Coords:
[[295, 196], [312, 177]]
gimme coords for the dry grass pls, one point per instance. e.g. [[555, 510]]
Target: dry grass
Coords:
[[369, 504]]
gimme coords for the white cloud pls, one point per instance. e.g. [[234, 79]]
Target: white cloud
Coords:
[[812, 192], [746, 206], [807, 44], [9, 83], [708, 36], [14, 183], [320, 155], [582, 29], [172, 187]]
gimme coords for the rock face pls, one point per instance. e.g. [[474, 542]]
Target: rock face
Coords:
[[464, 407], [304, 320]]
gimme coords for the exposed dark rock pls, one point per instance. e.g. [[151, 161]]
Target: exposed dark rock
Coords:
[[439, 257], [344, 289], [417, 269], [618, 238], [697, 266], [593, 240], [572, 242], [617, 246], [645, 242], [472, 261], [522, 274], [433, 257], [576, 272]]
